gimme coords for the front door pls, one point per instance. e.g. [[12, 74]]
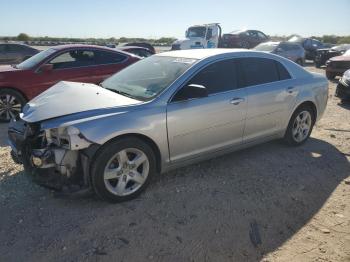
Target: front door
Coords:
[[202, 125]]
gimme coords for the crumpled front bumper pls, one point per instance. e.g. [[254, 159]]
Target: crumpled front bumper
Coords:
[[47, 165]]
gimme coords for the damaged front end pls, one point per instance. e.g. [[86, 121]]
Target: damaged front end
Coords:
[[57, 158]]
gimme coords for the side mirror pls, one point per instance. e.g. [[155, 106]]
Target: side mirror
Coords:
[[45, 68], [191, 91]]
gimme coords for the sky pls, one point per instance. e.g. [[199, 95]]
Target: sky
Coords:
[[156, 18]]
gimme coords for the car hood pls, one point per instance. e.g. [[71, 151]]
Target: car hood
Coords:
[[340, 58], [7, 68], [67, 98]]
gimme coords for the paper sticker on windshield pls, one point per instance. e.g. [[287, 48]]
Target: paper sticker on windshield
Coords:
[[184, 60]]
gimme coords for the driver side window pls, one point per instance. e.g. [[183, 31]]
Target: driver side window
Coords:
[[72, 59], [216, 78]]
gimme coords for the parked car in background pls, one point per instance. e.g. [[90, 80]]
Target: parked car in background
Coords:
[[343, 87], [324, 54], [80, 63], [310, 45], [336, 66], [142, 44], [291, 51], [137, 50], [166, 111], [243, 39], [13, 53]]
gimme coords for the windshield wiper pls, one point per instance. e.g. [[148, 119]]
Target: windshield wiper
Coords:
[[119, 92]]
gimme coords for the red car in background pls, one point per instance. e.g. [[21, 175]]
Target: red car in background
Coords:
[[78, 63]]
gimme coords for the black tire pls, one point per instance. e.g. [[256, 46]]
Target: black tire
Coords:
[[19, 98], [330, 76], [288, 137], [102, 157]]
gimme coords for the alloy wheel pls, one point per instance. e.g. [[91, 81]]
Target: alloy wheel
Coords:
[[126, 172], [10, 107], [302, 126]]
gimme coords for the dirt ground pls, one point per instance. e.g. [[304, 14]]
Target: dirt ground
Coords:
[[295, 199]]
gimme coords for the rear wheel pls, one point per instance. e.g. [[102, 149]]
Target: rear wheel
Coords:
[[300, 126], [122, 169], [11, 104]]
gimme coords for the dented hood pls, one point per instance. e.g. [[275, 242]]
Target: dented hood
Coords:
[[66, 98]]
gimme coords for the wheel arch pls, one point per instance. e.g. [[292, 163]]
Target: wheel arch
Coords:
[[310, 104], [147, 140], [15, 89]]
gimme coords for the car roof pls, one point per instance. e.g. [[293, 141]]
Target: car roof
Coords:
[[201, 53], [60, 47], [131, 47]]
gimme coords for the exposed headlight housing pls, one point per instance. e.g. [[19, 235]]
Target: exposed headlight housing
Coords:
[[67, 137]]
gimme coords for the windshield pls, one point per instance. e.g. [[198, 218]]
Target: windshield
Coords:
[[198, 31], [147, 78], [296, 39], [347, 53], [266, 47], [34, 60]]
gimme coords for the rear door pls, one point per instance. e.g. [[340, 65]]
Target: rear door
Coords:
[[211, 123], [106, 64], [270, 95]]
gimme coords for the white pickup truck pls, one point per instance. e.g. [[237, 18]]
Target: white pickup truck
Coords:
[[199, 36]]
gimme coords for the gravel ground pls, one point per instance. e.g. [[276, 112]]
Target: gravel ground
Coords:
[[295, 199]]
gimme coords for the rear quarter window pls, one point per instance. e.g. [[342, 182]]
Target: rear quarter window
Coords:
[[282, 71]]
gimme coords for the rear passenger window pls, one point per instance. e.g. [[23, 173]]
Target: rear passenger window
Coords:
[[218, 77], [257, 71], [104, 57], [282, 71]]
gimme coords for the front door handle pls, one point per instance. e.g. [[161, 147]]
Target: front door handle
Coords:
[[290, 89], [236, 100]]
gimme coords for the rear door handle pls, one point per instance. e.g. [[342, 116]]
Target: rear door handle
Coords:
[[236, 100]]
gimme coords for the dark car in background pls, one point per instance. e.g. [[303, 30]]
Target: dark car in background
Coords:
[[291, 51], [310, 45], [77, 63], [142, 44], [137, 50], [343, 87], [243, 39], [324, 54], [14, 53], [336, 66]]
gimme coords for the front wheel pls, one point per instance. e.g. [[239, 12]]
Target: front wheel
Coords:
[[122, 169], [300, 126], [11, 104]]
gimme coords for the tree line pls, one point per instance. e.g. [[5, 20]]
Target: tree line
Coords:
[[331, 39]]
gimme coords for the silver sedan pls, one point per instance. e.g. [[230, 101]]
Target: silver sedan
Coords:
[[166, 111]]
